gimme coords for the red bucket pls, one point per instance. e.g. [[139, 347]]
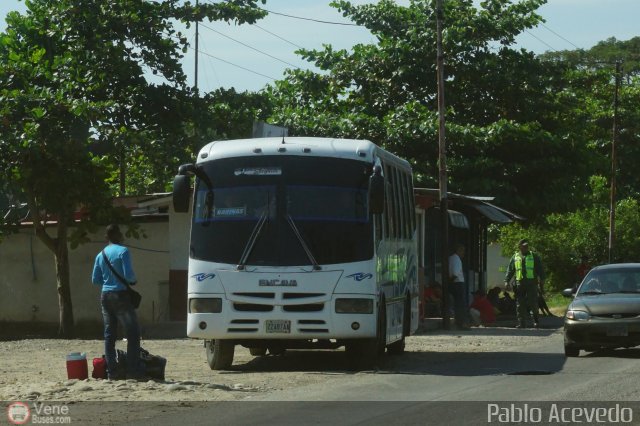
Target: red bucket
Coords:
[[77, 366], [99, 368]]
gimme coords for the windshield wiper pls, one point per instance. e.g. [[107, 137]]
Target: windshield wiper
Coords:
[[590, 292], [304, 245], [251, 242]]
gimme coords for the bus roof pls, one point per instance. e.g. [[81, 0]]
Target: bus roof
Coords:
[[354, 149]]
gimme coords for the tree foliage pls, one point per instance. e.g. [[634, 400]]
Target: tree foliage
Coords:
[[72, 77], [564, 238], [507, 110]]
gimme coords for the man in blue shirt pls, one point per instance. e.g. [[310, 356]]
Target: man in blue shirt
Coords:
[[116, 304]]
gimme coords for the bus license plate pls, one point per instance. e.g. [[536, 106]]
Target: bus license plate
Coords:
[[617, 331], [278, 326]]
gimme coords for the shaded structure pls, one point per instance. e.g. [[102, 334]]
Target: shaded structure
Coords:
[[469, 219]]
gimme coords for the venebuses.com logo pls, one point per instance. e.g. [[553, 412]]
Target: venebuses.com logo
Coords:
[[18, 413]]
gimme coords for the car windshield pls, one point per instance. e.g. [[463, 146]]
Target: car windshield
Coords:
[[607, 281]]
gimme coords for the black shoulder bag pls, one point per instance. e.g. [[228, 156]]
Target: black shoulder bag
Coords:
[[136, 297]]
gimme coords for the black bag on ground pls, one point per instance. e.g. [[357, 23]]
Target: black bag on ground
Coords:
[[154, 365], [121, 364]]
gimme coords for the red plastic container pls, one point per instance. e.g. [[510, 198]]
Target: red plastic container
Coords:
[[77, 366], [99, 368]]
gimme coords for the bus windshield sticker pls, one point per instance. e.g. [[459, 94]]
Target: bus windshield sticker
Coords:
[[231, 211], [259, 171]]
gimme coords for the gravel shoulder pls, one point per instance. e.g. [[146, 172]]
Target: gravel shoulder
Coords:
[[35, 369]]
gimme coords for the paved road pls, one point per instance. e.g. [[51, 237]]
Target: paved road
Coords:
[[540, 373], [434, 387]]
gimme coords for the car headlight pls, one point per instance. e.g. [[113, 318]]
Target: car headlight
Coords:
[[205, 306], [354, 306], [578, 315]]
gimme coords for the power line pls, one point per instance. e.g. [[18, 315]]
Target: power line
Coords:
[[540, 40], [281, 38], [549, 29], [311, 19], [302, 17], [250, 47], [235, 65], [225, 61]]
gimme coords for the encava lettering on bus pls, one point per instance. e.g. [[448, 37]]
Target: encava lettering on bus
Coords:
[[259, 171]]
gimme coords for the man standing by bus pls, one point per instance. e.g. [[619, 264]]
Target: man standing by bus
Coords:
[[529, 274], [112, 265], [457, 287]]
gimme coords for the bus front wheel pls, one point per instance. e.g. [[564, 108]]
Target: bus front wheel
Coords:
[[220, 354], [364, 354], [397, 348]]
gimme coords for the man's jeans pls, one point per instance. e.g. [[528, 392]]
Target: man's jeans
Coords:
[[116, 307], [457, 291]]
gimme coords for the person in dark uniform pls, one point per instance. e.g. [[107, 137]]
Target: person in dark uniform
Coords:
[[527, 268]]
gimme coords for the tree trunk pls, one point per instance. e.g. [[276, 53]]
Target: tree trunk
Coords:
[[66, 325], [60, 250]]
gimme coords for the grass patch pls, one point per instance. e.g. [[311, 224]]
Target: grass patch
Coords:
[[557, 303]]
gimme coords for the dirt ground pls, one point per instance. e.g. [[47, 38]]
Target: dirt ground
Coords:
[[35, 369]]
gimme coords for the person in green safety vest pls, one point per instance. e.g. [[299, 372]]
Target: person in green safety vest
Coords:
[[527, 269]]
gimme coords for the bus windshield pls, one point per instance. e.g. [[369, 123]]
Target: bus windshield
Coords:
[[326, 199]]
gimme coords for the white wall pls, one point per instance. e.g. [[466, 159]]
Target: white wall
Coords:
[[496, 266], [179, 231], [28, 281]]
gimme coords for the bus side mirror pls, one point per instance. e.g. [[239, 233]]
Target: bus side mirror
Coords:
[[181, 192], [376, 192]]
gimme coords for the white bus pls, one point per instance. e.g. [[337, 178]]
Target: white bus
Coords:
[[300, 243]]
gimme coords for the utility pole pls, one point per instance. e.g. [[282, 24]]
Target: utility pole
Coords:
[[614, 136], [195, 85], [442, 178]]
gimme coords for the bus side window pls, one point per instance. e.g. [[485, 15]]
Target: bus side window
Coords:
[[389, 212]]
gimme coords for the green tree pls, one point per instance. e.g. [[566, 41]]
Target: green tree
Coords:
[[564, 238], [72, 75], [591, 82], [507, 110], [220, 114]]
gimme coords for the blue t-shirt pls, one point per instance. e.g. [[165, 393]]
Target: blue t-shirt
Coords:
[[121, 261]]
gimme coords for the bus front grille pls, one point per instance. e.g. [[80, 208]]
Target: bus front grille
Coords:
[[256, 294], [309, 307], [301, 295], [252, 307]]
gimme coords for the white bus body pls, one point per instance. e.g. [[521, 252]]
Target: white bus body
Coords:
[[285, 251]]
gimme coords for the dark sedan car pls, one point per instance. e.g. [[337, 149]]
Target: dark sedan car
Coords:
[[605, 312]]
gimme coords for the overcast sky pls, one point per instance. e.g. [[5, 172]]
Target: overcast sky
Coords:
[[569, 23]]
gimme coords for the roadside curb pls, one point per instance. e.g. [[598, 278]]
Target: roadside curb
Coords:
[[427, 325]]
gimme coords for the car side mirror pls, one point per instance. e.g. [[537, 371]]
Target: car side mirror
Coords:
[[568, 292]]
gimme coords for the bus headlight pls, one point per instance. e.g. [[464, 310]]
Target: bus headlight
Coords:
[[205, 306], [354, 306]]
